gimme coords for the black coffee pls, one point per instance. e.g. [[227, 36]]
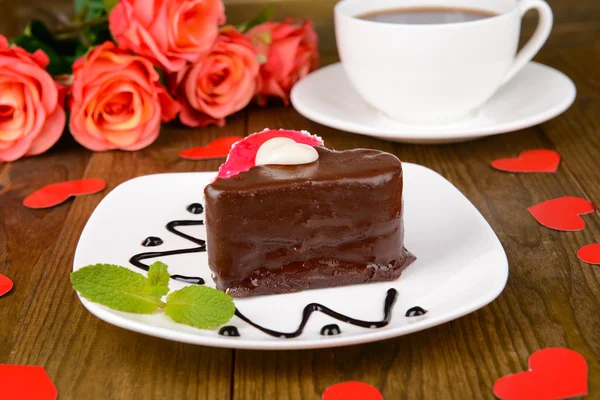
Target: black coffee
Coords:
[[424, 16]]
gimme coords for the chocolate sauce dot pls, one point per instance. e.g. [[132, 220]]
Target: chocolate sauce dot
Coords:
[[152, 241], [331, 330], [195, 208], [229, 331], [416, 312]]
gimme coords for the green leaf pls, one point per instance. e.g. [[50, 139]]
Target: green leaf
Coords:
[[116, 287], [265, 15], [81, 50], [57, 65], [200, 306], [38, 30], [88, 8], [109, 5], [98, 34], [80, 5], [158, 280], [67, 46]]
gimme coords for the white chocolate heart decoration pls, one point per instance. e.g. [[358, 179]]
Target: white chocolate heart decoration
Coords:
[[285, 151]]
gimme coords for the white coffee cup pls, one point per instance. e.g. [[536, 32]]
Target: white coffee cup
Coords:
[[435, 73]]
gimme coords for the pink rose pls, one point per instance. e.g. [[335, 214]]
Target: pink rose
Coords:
[[117, 101], [290, 52], [168, 32], [31, 116], [221, 83]]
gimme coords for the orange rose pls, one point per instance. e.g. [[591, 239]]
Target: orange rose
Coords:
[[221, 83], [168, 32], [31, 116], [117, 101], [290, 52]]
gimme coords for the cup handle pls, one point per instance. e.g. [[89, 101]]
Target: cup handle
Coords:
[[537, 40]]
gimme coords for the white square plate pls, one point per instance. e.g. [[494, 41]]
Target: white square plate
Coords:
[[461, 265]]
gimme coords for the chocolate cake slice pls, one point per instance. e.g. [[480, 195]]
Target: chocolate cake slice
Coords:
[[286, 228]]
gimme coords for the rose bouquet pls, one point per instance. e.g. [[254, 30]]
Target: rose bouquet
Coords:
[[120, 68]]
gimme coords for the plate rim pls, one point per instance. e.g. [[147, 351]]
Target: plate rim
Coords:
[[411, 135], [112, 316]]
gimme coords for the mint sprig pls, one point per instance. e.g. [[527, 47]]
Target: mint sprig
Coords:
[[122, 289]]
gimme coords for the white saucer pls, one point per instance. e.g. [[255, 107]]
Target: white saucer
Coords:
[[461, 265], [538, 93]]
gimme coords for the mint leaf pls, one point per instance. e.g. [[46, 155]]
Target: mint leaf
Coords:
[[116, 287], [200, 306], [158, 280]]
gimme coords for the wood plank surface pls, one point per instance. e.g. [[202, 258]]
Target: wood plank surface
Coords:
[[551, 298], [86, 357]]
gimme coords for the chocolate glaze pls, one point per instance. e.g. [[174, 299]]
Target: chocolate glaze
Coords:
[[336, 221], [331, 330], [388, 304], [152, 241], [171, 227], [415, 312]]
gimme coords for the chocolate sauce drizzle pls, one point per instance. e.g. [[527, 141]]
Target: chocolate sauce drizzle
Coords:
[[415, 311], [390, 299], [152, 241], [171, 227], [232, 331], [331, 330]]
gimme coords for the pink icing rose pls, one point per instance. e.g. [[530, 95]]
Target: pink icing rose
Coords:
[[219, 84], [168, 32], [32, 117], [290, 52], [117, 101]]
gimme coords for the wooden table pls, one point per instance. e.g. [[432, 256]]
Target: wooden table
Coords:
[[551, 299]]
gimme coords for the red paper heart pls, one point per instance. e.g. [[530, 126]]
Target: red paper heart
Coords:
[[218, 148], [5, 285], [56, 193], [352, 391], [589, 254], [539, 160], [562, 214], [26, 382], [554, 373]]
